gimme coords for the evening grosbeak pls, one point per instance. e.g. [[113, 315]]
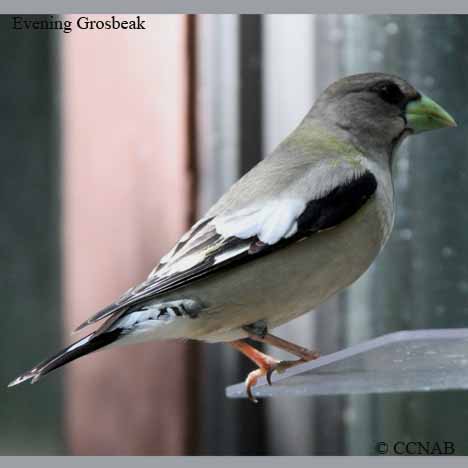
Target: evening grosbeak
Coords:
[[303, 224]]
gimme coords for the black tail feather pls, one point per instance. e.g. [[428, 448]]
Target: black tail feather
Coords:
[[86, 345]]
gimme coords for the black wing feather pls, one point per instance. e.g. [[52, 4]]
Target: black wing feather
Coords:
[[324, 213], [340, 204]]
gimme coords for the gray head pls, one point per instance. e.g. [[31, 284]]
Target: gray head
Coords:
[[378, 110]]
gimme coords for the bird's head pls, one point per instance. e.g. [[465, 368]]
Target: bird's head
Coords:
[[379, 110]]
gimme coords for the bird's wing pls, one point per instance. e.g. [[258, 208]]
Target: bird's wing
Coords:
[[225, 240]]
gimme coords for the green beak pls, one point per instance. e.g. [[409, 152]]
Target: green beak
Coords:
[[424, 114]]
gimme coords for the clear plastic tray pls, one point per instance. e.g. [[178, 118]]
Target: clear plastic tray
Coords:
[[405, 361]]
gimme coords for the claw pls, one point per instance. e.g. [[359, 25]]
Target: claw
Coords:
[[250, 382], [250, 395], [267, 371], [267, 365], [268, 375]]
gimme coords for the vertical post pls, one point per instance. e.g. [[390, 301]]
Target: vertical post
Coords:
[[126, 202], [250, 91], [29, 238], [252, 418], [229, 141], [289, 91], [217, 139]]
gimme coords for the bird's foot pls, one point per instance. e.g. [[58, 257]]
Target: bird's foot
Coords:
[[253, 377], [270, 366], [267, 365]]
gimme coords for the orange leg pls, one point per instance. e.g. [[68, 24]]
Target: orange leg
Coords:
[[299, 351], [266, 365], [263, 361]]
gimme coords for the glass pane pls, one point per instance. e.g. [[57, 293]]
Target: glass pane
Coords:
[[421, 278]]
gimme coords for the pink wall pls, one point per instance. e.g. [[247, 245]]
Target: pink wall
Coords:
[[126, 201]]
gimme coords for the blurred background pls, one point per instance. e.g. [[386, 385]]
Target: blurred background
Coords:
[[114, 142]]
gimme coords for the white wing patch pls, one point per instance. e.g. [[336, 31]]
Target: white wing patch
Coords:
[[225, 237], [270, 222]]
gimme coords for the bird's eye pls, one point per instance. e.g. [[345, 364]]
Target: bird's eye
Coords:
[[389, 92]]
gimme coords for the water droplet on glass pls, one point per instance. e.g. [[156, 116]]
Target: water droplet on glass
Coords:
[[447, 252], [406, 234], [392, 29]]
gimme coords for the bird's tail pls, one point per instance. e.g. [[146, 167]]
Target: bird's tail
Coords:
[[86, 345]]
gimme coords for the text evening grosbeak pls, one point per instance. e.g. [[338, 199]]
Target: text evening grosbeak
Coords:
[[303, 224]]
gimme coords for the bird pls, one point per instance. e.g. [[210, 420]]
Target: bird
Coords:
[[303, 224]]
